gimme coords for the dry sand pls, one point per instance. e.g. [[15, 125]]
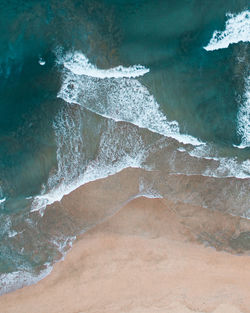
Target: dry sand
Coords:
[[145, 258]]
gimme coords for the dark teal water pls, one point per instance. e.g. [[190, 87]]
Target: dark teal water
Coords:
[[201, 90], [195, 87]]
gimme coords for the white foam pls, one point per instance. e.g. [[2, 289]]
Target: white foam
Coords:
[[181, 149], [223, 167], [6, 227], [237, 29], [146, 190], [63, 242], [119, 99], [41, 61], [70, 159], [18, 279], [243, 118], [123, 99], [120, 147], [13, 233], [24, 277], [6, 224], [79, 64], [2, 200]]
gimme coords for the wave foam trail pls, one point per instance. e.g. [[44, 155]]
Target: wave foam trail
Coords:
[[70, 157], [243, 118], [2, 198], [237, 29], [222, 166], [80, 65], [119, 147], [121, 99]]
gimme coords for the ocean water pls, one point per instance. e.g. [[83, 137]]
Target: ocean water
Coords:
[[89, 88]]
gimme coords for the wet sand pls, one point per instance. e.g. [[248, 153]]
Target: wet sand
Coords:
[[141, 256]]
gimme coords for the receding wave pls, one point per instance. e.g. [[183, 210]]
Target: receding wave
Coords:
[[120, 145], [15, 280], [237, 29]]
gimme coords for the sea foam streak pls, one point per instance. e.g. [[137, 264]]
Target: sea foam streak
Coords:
[[243, 118], [2, 198], [237, 29], [116, 96], [70, 158]]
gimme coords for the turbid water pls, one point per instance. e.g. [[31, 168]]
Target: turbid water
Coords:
[[91, 87]]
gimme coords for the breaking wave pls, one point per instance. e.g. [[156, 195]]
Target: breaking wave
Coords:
[[237, 29], [121, 99], [118, 145], [79, 64]]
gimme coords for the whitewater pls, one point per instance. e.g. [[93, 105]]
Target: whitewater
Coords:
[[237, 29], [116, 95]]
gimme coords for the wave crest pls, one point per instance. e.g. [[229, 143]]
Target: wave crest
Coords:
[[79, 64], [123, 99], [237, 29]]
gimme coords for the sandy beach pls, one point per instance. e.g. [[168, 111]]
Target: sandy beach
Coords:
[[144, 256]]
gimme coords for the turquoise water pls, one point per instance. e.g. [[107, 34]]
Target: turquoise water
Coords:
[[57, 125]]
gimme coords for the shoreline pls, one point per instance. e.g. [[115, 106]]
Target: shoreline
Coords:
[[142, 255]]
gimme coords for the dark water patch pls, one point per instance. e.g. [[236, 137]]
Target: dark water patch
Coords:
[[195, 87], [28, 106], [242, 242]]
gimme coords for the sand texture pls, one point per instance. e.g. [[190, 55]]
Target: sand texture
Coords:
[[147, 256]]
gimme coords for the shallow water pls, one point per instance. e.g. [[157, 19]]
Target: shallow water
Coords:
[[91, 87]]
